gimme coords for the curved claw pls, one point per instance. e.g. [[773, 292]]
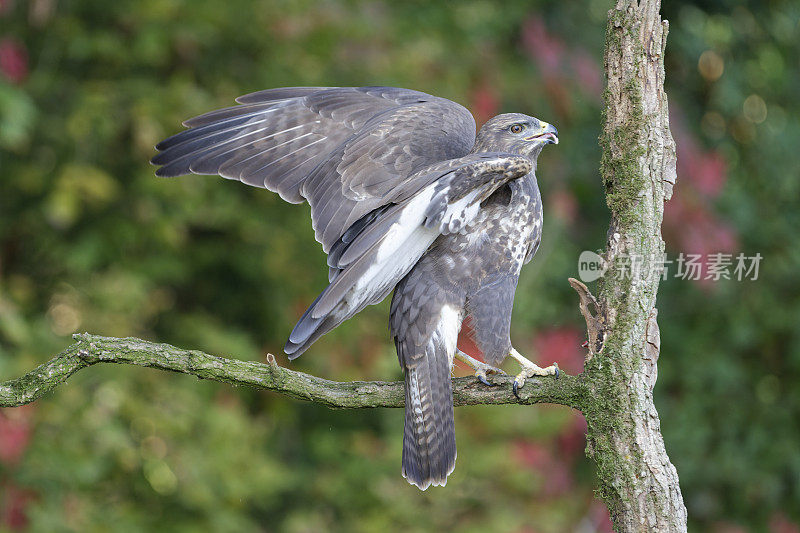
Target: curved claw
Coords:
[[482, 370], [558, 372], [482, 379], [514, 387]]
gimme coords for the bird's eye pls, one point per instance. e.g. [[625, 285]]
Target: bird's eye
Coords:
[[517, 128]]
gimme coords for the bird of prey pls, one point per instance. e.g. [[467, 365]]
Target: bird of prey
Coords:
[[404, 197]]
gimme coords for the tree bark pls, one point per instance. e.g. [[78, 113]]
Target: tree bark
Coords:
[[615, 391], [637, 480]]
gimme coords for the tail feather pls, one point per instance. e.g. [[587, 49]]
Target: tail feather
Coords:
[[429, 440]]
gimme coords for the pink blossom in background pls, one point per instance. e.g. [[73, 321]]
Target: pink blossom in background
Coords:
[[546, 49], [690, 227], [561, 344], [554, 459], [704, 170], [13, 60], [709, 173], [587, 72], [554, 468], [696, 228], [565, 72], [532, 454], [691, 223], [15, 433]]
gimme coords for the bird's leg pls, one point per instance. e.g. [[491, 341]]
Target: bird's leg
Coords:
[[481, 369], [530, 369]]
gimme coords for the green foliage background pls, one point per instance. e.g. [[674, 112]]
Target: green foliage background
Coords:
[[90, 240]]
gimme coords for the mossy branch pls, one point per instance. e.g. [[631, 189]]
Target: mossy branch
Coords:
[[89, 350]]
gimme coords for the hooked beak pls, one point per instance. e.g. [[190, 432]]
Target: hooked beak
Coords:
[[548, 133]]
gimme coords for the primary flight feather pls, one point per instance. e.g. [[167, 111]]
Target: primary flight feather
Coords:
[[404, 196]]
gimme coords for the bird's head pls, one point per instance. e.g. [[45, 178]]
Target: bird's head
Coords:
[[515, 133]]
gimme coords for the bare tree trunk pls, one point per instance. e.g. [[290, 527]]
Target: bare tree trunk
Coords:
[[637, 479]]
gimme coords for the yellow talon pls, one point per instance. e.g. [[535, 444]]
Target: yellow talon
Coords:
[[530, 369]]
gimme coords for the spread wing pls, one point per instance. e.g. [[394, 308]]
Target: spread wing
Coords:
[[378, 250], [346, 150]]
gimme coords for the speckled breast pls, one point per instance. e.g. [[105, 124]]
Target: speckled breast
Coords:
[[499, 241]]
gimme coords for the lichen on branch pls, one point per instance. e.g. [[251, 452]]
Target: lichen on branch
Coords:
[[89, 350]]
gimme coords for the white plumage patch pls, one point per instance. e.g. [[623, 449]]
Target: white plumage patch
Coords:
[[402, 246], [395, 259], [411, 218], [447, 329]]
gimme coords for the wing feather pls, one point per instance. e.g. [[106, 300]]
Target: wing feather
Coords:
[[342, 149]]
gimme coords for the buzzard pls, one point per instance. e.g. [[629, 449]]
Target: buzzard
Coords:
[[404, 197]]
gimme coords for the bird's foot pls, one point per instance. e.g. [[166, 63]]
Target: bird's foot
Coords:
[[530, 369], [482, 370]]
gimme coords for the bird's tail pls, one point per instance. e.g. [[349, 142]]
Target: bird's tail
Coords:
[[429, 440]]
